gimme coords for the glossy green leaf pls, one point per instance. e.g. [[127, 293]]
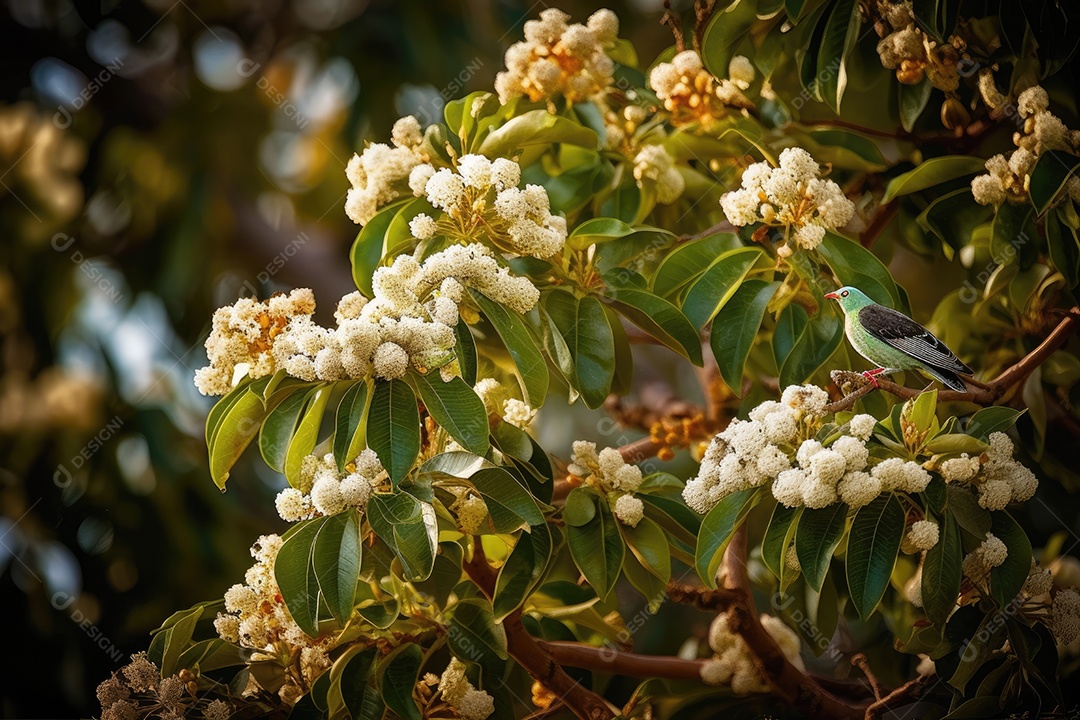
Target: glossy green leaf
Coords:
[[816, 343], [717, 528], [217, 413], [873, 544], [509, 505], [350, 428], [913, 100], [296, 578], [1049, 176], [648, 542], [531, 368], [584, 327], [991, 420], [816, 539], [394, 427], [523, 571], [409, 528], [367, 249], [736, 326], [475, 637], [465, 352], [456, 408], [239, 426], [942, 573], [398, 680], [579, 507], [597, 548], [1007, 579], [717, 284], [278, 428], [307, 433], [725, 32], [597, 230], [931, 173], [774, 544], [536, 127], [688, 261], [660, 319], [854, 265], [335, 556], [841, 34], [350, 692]]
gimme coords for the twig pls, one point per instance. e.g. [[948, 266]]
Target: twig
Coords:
[[537, 661], [722, 226], [621, 662], [703, 11], [911, 690], [703, 598], [859, 660], [983, 394], [673, 21]]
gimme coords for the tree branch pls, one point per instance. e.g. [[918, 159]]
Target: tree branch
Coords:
[[911, 690], [981, 394], [621, 662], [531, 655]]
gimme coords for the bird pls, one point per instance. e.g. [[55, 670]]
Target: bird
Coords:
[[894, 342]]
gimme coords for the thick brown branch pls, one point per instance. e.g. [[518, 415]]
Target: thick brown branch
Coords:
[[912, 690], [620, 662], [982, 393], [703, 598], [536, 660]]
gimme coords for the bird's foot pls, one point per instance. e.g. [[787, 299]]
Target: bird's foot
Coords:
[[871, 375]]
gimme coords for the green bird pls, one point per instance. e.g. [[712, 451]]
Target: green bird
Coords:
[[894, 342]]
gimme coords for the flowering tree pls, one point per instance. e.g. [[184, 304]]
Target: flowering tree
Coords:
[[440, 563]]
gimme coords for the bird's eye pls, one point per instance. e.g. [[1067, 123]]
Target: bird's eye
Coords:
[[844, 294]]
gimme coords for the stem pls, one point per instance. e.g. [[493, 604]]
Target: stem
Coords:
[[983, 393], [531, 655], [911, 690], [620, 662]]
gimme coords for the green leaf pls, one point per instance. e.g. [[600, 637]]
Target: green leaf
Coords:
[[942, 574], [659, 318], [307, 433], [931, 173], [296, 578], [1049, 176], [531, 368], [597, 230], [816, 539], [648, 542], [579, 507], [955, 443], [687, 261], [735, 328], [409, 528], [394, 427], [510, 505], [716, 530], [966, 510], [523, 570], [335, 556], [278, 428], [913, 100], [854, 265], [724, 33], [239, 426], [1007, 579], [841, 34], [350, 691], [536, 127], [350, 431], [177, 637], [217, 413], [991, 420], [718, 283], [872, 547], [774, 545], [465, 351], [398, 680], [597, 548], [815, 344], [456, 408], [367, 250], [584, 326], [475, 637]]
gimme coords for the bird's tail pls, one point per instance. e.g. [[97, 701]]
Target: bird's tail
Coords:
[[948, 378]]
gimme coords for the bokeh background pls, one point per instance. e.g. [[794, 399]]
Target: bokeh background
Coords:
[[159, 159]]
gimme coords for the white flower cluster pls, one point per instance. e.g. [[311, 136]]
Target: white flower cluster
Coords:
[[325, 491], [256, 618], [910, 52], [999, 481], [408, 322], [483, 195], [693, 95], [611, 475], [1008, 179], [512, 410], [1039, 581], [244, 333], [734, 665], [654, 163], [751, 453], [990, 553], [791, 195], [923, 534], [468, 702], [380, 174], [560, 59], [1065, 616], [471, 512]]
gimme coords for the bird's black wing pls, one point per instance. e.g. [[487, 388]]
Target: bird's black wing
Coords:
[[906, 335]]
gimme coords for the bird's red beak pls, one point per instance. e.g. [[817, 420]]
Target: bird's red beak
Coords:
[[832, 296]]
